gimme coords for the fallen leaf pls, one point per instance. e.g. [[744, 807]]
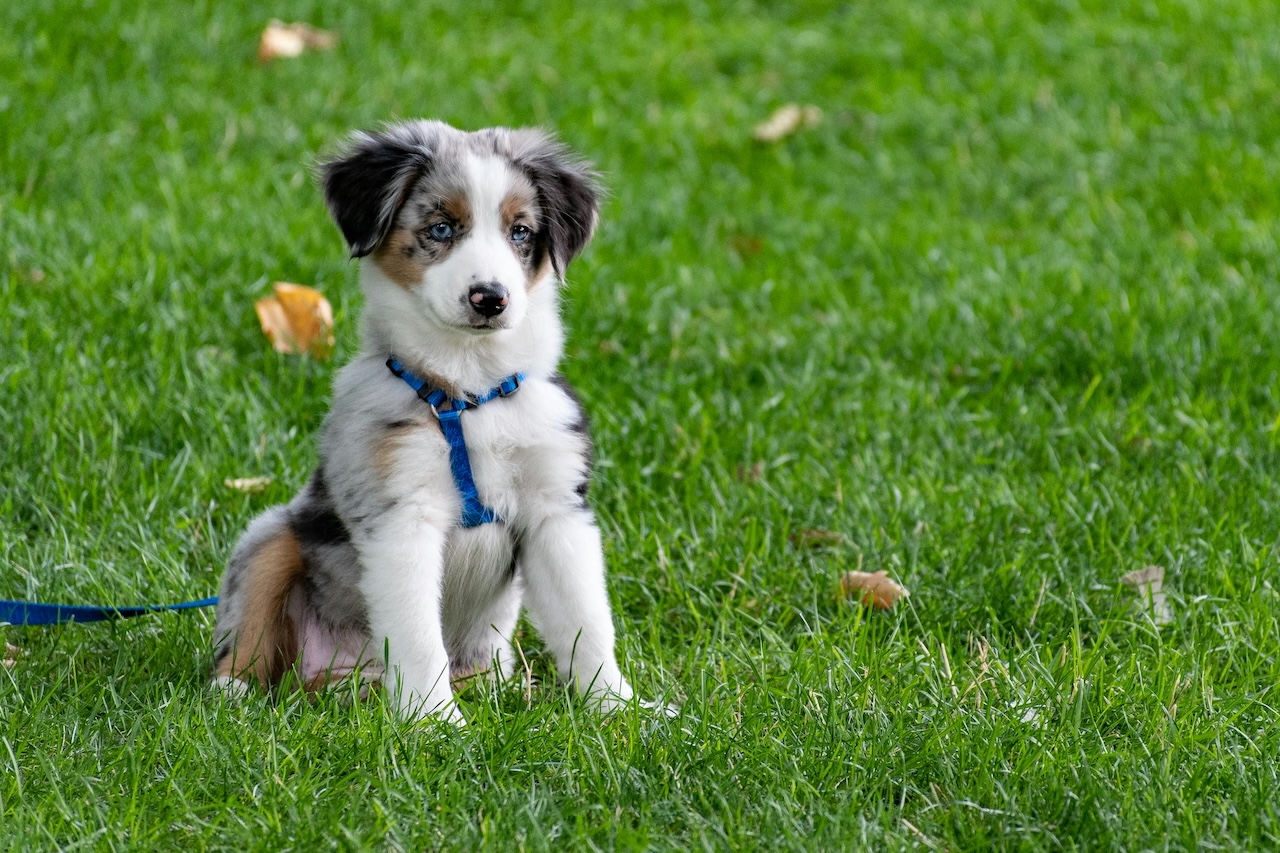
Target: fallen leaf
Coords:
[[248, 485], [786, 120], [1148, 583], [746, 246], [1150, 576], [285, 41], [297, 319], [872, 589], [809, 538]]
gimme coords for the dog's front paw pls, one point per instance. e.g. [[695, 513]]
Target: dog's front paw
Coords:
[[607, 704], [609, 699], [659, 709], [229, 687], [414, 705]]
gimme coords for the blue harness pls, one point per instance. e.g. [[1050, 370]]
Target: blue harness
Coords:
[[474, 513]]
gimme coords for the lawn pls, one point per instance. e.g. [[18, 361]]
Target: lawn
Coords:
[[1003, 324]]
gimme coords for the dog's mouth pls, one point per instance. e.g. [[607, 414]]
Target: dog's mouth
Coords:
[[484, 326]]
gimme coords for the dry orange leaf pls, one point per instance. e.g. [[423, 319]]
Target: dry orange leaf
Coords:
[[285, 41], [872, 589], [786, 120], [297, 319], [248, 485]]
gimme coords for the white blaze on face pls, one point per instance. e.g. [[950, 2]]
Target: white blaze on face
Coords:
[[484, 255]]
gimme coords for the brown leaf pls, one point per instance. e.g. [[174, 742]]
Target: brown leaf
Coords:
[[807, 537], [248, 485], [297, 319], [872, 589], [285, 41], [1150, 576], [746, 246], [745, 474], [785, 121], [1148, 583]]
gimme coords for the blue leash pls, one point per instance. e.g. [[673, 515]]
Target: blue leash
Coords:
[[34, 613], [474, 513]]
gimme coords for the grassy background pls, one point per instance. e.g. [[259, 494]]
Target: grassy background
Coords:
[[1004, 321]]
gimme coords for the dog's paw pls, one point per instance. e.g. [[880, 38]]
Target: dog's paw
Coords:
[[229, 687], [430, 708], [448, 714], [659, 709], [608, 702]]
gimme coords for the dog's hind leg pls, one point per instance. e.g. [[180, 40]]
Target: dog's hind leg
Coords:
[[481, 602], [255, 637], [485, 647]]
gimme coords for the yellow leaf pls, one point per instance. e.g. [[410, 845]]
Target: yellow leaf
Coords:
[[872, 589], [285, 41], [248, 485], [297, 319], [786, 120]]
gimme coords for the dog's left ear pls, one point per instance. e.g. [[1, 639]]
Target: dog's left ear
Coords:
[[568, 192], [366, 186]]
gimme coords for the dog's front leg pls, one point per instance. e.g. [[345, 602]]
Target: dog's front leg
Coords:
[[403, 561], [563, 566]]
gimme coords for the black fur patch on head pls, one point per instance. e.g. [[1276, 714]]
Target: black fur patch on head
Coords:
[[365, 187], [568, 194]]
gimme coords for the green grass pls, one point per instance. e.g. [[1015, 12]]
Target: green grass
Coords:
[[1006, 320]]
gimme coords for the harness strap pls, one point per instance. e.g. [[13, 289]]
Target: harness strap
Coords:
[[34, 613], [474, 512]]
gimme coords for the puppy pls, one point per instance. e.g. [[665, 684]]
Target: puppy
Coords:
[[407, 558]]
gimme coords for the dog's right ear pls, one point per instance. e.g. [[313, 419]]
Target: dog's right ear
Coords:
[[365, 187]]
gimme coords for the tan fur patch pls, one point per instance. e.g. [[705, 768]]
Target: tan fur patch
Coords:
[[266, 640], [387, 445], [457, 207], [400, 258], [542, 273], [520, 207], [519, 204]]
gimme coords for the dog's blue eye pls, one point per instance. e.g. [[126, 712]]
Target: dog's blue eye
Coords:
[[441, 231], [520, 233]]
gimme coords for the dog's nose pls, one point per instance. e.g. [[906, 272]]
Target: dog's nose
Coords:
[[488, 299]]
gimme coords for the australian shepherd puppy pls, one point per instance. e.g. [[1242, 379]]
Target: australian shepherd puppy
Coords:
[[384, 564]]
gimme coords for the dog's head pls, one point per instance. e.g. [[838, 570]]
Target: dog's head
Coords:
[[469, 223]]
